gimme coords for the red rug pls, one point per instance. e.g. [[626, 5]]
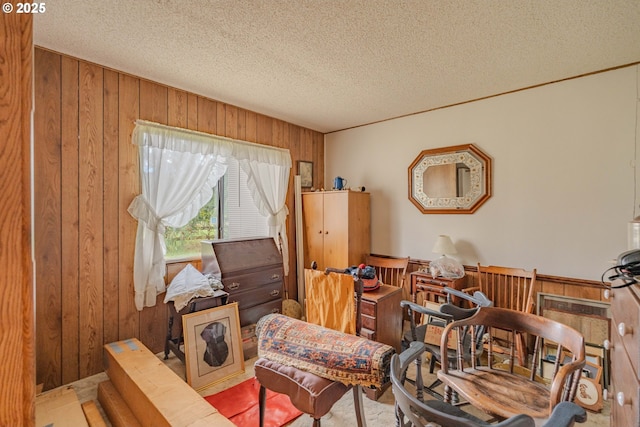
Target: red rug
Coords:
[[240, 404]]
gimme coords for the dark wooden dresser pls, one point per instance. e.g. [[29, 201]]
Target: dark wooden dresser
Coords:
[[251, 271], [625, 356], [382, 321]]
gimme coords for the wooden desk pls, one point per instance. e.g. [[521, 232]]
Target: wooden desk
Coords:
[[382, 321], [175, 337], [432, 287]]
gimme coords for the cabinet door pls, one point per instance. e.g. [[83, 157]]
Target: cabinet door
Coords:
[[336, 229], [312, 216]]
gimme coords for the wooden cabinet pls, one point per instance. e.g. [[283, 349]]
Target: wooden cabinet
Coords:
[[251, 271], [337, 231], [625, 356]]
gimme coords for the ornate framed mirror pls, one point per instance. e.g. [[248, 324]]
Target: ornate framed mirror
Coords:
[[454, 179]]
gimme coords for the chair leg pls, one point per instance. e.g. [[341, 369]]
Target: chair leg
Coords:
[[432, 364], [419, 382], [316, 422], [359, 406], [262, 399]]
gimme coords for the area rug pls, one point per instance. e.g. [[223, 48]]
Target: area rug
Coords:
[[240, 404]]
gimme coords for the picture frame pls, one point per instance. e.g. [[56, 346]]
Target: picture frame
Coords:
[[591, 370], [212, 345], [305, 170]]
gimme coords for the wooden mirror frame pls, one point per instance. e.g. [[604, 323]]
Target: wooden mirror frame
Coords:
[[473, 158]]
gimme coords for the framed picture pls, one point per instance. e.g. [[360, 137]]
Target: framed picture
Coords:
[[212, 345], [305, 170]]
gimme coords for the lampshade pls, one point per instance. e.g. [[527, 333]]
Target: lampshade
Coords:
[[444, 246]]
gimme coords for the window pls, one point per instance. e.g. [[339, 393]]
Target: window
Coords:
[[232, 202]]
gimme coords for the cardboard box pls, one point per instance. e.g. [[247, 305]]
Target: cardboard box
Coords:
[[154, 393], [59, 407]]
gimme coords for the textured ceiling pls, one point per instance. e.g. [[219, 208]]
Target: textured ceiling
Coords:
[[331, 65]]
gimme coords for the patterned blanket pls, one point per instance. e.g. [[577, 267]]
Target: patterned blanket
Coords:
[[331, 354]]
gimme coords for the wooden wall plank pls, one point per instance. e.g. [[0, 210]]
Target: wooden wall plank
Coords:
[[23, 406], [111, 214], [207, 115], [192, 111], [220, 119], [264, 133], [177, 108], [128, 189], [91, 238], [153, 102], [17, 375], [242, 124], [48, 228], [154, 107], [318, 156], [70, 212], [231, 122], [251, 127]]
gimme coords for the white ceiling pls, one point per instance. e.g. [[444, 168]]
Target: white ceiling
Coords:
[[330, 65]]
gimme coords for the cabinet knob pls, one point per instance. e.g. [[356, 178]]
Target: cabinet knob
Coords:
[[624, 329], [622, 400], [326, 232], [608, 294], [274, 293], [233, 286], [275, 276], [320, 232], [607, 345]]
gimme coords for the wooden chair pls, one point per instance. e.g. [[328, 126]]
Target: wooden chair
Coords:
[[511, 288], [447, 314], [504, 389], [390, 270], [414, 411]]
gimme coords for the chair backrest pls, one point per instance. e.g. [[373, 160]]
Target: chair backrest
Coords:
[[390, 270], [564, 378], [511, 288]]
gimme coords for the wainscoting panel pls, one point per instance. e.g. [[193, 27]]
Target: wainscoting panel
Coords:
[[86, 175]]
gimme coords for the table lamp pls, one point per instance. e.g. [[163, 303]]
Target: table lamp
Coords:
[[444, 266]]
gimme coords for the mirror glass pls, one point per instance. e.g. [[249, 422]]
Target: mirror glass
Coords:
[[453, 179]]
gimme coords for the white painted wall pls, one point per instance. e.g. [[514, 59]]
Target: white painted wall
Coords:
[[563, 176]]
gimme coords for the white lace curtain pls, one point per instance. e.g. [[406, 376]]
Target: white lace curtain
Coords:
[[179, 169]]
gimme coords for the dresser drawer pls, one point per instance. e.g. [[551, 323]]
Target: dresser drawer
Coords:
[[256, 296], [368, 308], [624, 381], [253, 314], [624, 323], [368, 334], [368, 322], [245, 282]]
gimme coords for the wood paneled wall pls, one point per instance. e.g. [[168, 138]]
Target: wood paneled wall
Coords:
[[17, 375], [86, 174], [563, 286]]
